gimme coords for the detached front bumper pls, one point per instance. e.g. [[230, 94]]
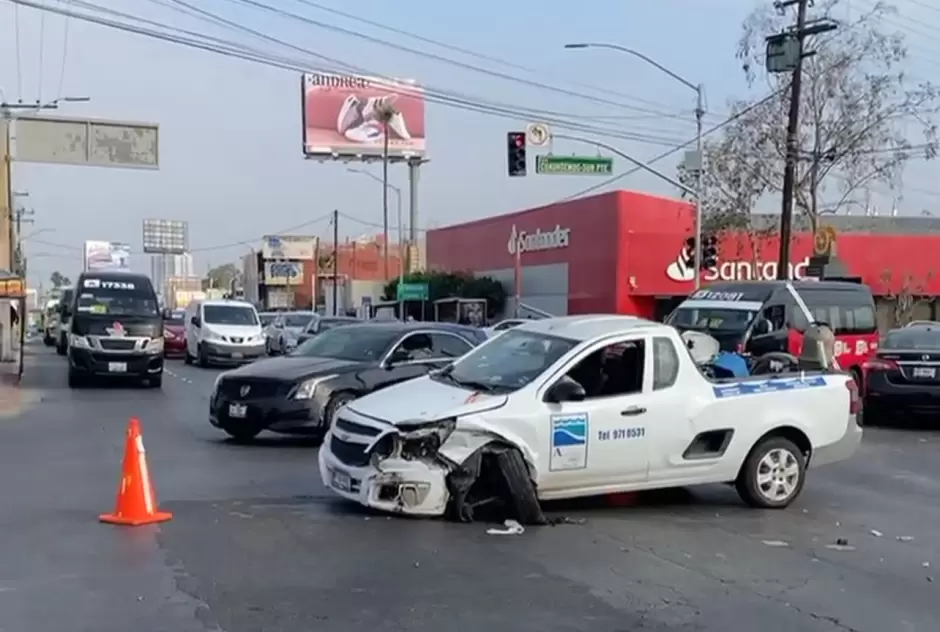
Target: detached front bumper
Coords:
[[413, 487]]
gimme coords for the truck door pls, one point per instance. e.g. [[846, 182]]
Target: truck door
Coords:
[[602, 440]]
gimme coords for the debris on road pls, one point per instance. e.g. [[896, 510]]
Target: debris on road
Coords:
[[779, 543], [512, 528], [876, 533], [905, 538]]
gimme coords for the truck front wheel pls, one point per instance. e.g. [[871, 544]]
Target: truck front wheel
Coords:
[[773, 474]]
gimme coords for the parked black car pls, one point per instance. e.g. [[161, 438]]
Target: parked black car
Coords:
[[903, 377], [301, 392], [323, 323]]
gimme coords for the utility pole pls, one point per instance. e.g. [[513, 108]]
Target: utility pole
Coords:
[[385, 200], [335, 262], [19, 263], [785, 52], [699, 119]]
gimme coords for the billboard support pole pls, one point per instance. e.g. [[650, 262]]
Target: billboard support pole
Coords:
[[414, 173], [385, 200], [336, 262]]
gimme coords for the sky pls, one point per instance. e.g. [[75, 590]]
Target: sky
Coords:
[[230, 130]]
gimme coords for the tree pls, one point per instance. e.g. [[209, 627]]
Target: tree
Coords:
[[910, 295], [221, 277], [858, 112], [460, 285], [58, 280]]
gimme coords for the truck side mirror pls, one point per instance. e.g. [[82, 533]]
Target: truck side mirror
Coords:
[[566, 390], [195, 322]]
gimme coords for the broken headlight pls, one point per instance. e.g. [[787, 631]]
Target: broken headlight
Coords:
[[425, 438]]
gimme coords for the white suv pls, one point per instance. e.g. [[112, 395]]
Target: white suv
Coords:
[[223, 332]]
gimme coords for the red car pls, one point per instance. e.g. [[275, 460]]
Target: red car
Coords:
[[174, 334]]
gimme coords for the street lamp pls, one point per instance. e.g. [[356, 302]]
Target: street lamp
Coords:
[[397, 191], [699, 116]]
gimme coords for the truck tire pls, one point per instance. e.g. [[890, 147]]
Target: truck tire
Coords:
[[523, 501], [61, 347], [773, 474], [187, 359], [155, 381], [203, 357]]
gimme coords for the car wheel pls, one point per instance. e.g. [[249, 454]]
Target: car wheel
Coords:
[[243, 434], [75, 380], [519, 487], [187, 359], [61, 347], [772, 475], [203, 357], [155, 381], [337, 401]]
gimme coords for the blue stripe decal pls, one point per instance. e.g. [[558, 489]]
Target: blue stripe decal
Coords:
[[737, 389]]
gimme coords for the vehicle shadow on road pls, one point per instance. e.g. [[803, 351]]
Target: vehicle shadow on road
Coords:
[[269, 441]]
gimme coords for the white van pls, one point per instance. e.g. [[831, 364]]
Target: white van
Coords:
[[223, 332]]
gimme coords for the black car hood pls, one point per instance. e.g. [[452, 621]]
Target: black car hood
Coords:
[[294, 368], [84, 324]]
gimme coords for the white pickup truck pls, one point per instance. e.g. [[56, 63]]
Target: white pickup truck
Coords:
[[582, 406]]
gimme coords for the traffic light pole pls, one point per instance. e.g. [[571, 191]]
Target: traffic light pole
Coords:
[[699, 194], [793, 129]]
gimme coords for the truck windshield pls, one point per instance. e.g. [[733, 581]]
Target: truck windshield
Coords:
[[125, 300], [229, 315], [509, 362], [712, 319]]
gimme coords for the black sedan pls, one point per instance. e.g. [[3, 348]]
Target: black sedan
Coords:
[[903, 377], [319, 324], [300, 393]]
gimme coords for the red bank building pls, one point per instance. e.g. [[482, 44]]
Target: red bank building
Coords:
[[621, 252]]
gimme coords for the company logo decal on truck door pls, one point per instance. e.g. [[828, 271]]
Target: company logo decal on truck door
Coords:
[[569, 442]]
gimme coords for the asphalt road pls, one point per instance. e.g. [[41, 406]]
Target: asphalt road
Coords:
[[256, 545]]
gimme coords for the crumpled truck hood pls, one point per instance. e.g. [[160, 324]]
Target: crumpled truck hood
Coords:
[[424, 399], [428, 400]]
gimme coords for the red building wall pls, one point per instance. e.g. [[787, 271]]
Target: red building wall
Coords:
[[622, 243]]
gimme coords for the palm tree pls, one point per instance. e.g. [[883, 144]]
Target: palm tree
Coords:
[[384, 112]]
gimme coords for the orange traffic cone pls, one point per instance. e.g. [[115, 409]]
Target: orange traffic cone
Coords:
[[136, 504]]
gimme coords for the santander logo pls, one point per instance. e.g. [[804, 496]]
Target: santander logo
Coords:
[[539, 240], [682, 269]]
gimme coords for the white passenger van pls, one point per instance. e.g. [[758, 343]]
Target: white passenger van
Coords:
[[223, 332]]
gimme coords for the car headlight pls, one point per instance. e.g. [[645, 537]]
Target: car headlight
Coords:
[[422, 438], [211, 335], [155, 345], [306, 388], [78, 342]]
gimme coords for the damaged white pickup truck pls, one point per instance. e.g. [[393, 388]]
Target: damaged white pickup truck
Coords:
[[582, 406]]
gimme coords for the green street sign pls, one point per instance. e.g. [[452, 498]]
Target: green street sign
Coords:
[[574, 165], [413, 292]]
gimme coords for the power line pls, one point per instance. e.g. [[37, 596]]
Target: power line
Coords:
[[19, 58], [238, 51], [428, 55], [65, 53], [245, 242], [466, 51]]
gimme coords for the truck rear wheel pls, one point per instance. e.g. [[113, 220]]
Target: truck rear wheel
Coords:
[[772, 475]]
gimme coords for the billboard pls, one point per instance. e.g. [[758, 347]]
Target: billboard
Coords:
[[283, 273], [88, 142], [339, 116], [288, 247], [165, 236], [107, 255]]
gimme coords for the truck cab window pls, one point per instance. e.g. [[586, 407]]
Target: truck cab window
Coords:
[[613, 370]]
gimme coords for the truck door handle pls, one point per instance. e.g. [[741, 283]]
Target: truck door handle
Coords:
[[632, 411]]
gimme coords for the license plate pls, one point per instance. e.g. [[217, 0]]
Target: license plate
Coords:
[[925, 372], [237, 355], [117, 367], [341, 481], [237, 410]]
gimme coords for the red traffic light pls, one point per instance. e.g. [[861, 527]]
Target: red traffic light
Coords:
[[517, 139]]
